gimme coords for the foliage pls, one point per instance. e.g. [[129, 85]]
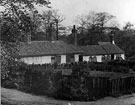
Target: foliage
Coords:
[[127, 35], [73, 87], [124, 38], [45, 80], [95, 27], [51, 20], [15, 23], [14, 77]]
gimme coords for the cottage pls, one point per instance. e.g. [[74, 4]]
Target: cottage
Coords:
[[41, 52], [105, 51]]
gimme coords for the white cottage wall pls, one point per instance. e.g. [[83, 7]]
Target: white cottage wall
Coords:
[[37, 60], [86, 58], [63, 58], [99, 58], [76, 57], [114, 56], [47, 59], [123, 56]]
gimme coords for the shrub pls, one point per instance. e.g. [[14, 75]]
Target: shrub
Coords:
[[15, 75], [120, 69], [44, 80], [73, 86]]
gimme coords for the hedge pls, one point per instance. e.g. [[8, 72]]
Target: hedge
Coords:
[[45, 80]]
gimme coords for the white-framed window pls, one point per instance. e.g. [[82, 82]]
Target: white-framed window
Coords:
[[70, 58], [92, 59], [118, 56], [108, 57], [103, 58], [52, 59]]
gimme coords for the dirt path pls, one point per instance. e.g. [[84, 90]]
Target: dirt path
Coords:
[[15, 97]]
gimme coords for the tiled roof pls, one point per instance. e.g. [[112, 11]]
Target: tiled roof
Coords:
[[93, 50], [112, 48], [41, 48], [102, 49]]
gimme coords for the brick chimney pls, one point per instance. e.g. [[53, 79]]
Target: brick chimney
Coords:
[[112, 38], [74, 32], [50, 36]]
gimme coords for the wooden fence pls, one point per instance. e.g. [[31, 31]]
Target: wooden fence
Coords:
[[99, 83], [109, 83]]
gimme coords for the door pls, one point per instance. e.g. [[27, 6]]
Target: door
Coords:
[[80, 58]]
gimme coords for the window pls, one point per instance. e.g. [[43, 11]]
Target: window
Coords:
[[58, 59], [103, 58], [108, 57], [53, 60], [93, 59], [118, 56], [90, 59], [70, 58]]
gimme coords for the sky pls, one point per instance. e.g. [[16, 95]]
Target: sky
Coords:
[[124, 10]]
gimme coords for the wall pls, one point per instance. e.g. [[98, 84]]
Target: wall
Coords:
[[63, 58], [47, 59], [37, 60], [99, 58], [41, 59], [122, 55], [76, 57], [86, 58]]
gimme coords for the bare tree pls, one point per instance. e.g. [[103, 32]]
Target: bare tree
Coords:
[[81, 20], [52, 17], [128, 26], [95, 22]]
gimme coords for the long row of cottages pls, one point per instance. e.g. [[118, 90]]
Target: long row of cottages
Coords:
[[41, 52]]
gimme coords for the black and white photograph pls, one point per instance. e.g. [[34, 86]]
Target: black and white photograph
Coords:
[[67, 52]]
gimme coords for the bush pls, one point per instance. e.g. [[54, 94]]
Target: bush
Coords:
[[120, 69], [44, 80], [44, 84], [15, 75], [73, 86]]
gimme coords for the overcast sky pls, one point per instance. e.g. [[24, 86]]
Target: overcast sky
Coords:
[[124, 10]]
